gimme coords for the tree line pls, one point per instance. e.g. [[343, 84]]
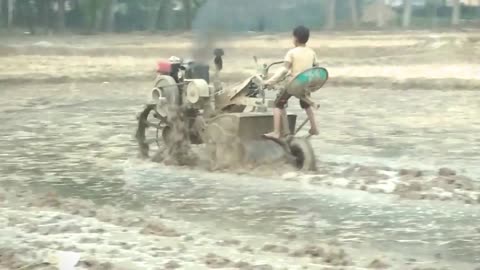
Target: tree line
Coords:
[[90, 16], [97, 15], [432, 11]]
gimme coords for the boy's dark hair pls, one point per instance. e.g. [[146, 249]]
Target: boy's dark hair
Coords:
[[302, 34]]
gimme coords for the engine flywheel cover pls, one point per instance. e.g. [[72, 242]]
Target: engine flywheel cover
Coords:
[[196, 89]]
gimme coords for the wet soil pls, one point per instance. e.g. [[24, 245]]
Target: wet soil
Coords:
[[397, 185]]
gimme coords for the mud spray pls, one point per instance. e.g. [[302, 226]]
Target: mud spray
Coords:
[[177, 149]]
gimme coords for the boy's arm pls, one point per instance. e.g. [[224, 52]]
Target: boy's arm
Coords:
[[315, 60], [282, 71], [280, 74]]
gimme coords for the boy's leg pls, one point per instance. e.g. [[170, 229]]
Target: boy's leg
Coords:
[[277, 123], [311, 117], [280, 103]]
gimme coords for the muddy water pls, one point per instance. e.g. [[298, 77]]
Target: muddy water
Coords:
[[77, 139], [269, 206], [422, 129]]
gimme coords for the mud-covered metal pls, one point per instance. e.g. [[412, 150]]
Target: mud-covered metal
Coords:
[[228, 122]]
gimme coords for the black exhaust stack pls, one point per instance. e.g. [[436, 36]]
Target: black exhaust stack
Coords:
[[218, 58]]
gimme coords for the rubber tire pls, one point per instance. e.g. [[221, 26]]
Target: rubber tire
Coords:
[[140, 134], [302, 150]]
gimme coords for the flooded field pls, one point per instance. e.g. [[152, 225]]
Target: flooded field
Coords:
[[398, 185], [77, 140]]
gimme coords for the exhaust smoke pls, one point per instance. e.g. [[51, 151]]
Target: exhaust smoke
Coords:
[[218, 20]]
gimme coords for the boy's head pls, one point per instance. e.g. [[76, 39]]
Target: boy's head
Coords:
[[301, 34]]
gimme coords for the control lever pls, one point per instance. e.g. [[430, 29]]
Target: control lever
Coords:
[[261, 88], [261, 70]]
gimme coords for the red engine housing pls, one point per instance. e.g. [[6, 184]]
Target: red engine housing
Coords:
[[164, 67]]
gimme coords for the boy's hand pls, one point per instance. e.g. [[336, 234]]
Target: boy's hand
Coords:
[[268, 85]]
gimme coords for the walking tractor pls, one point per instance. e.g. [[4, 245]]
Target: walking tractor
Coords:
[[186, 108]]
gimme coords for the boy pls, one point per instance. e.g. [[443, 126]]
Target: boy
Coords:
[[296, 60]]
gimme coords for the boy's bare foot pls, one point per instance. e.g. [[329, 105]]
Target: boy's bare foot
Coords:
[[313, 132], [272, 135]]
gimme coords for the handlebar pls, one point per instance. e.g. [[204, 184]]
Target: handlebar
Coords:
[[264, 74], [264, 67], [273, 64]]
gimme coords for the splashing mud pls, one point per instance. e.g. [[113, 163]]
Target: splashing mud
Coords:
[[178, 149]]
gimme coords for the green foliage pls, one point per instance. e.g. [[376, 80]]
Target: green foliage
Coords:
[[93, 12], [238, 15]]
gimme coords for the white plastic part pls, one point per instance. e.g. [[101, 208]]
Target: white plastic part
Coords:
[[156, 94], [175, 59], [197, 89]]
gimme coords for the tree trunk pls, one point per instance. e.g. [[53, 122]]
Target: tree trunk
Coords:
[[153, 13], [98, 19], [43, 14], [97, 14], [477, 11], [10, 9], [433, 13], [1, 13], [49, 21], [89, 12], [187, 7], [407, 13], [330, 14], [354, 13], [110, 16], [380, 5], [261, 23], [61, 16], [159, 20], [30, 18], [456, 13]]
